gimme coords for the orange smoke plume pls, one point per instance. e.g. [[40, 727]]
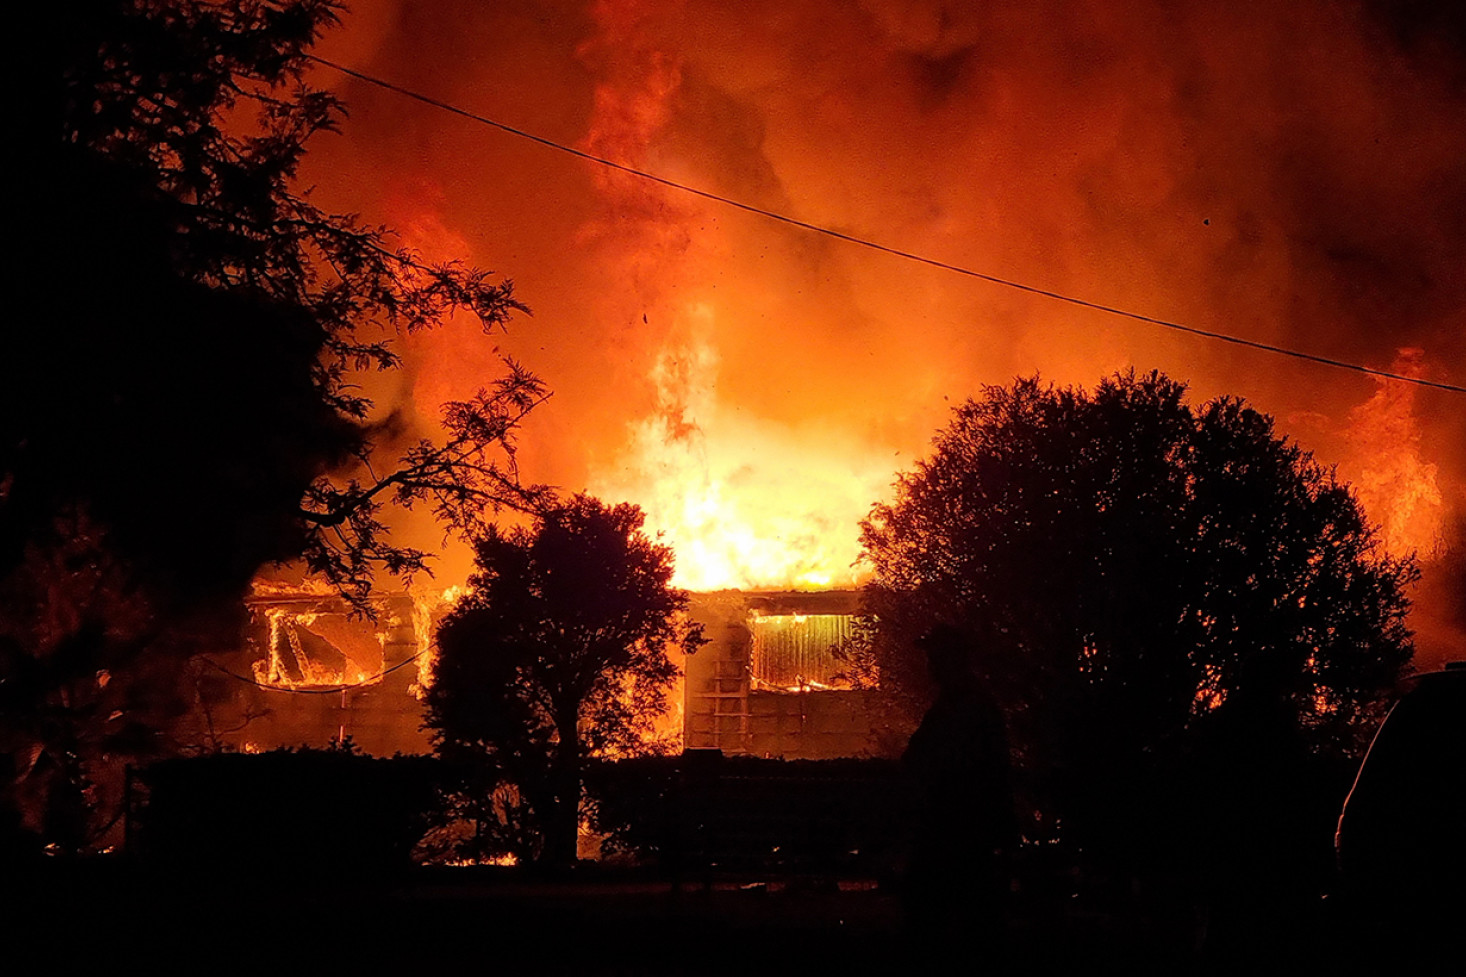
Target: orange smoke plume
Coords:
[[1291, 173]]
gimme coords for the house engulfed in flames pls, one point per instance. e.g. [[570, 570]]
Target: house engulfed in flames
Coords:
[[768, 683]]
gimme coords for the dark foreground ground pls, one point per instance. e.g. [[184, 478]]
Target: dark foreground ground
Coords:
[[470, 921]]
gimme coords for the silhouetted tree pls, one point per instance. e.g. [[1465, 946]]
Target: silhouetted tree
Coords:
[[187, 406], [558, 654], [1149, 586]]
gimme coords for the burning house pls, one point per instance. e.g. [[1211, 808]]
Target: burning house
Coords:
[[754, 387], [768, 683], [309, 672]]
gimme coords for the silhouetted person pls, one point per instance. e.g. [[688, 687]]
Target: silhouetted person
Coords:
[[957, 768]]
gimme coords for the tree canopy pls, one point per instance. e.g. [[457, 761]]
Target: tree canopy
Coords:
[[187, 408], [219, 332], [558, 654], [1133, 572]]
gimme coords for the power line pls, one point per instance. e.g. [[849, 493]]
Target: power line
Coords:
[[333, 690], [876, 246]]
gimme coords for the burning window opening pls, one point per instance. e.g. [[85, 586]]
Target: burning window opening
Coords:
[[752, 690], [308, 638], [357, 679], [797, 652], [317, 649]]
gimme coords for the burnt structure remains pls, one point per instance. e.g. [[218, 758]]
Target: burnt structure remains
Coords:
[[769, 683], [310, 672]]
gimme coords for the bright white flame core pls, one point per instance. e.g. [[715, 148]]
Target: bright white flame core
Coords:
[[745, 502]]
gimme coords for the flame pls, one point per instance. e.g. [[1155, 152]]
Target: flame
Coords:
[[428, 606], [288, 664], [307, 621], [299, 632], [744, 502], [662, 732], [1148, 164], [503, 861], [1209, 691], [1398, 488], [266, 588]]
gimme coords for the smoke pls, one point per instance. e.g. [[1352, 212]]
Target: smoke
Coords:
[[1292, 173]]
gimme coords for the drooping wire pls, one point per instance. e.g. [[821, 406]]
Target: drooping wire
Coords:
[[876, 246], [331, 690]]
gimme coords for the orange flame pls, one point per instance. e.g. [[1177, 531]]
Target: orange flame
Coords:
[[1399, 489], [288, 664], [428, 607], [744, 502]]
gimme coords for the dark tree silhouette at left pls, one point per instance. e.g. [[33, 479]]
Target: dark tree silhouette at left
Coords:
[[185, 410]]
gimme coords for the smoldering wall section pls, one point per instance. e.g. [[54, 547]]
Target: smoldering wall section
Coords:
[[1293, 175]]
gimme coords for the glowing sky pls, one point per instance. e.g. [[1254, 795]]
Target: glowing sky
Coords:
[[1292, 173]]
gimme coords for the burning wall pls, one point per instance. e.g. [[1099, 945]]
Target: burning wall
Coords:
[[310, 672], [767, 684]]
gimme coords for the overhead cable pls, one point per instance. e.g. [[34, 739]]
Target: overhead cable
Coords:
[[329, 690], [876, 246]]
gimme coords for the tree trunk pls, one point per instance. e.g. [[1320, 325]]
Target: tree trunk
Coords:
[[562, 833]]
